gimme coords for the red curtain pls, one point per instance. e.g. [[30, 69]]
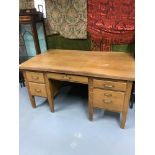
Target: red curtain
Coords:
[[111, 22]]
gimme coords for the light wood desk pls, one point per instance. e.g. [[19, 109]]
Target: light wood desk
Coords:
[[109, 76]]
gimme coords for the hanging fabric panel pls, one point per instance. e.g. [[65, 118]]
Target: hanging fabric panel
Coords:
[[67, 18], [111, 22], [26, 4]]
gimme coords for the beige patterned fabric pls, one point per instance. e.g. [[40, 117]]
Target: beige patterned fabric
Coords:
[[26, 4], [67, 18]]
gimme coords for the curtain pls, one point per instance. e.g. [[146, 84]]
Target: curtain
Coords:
[[26, 4], [67, 18], [111, 22]]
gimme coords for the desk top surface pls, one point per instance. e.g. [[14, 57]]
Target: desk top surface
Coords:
[[114, 65]]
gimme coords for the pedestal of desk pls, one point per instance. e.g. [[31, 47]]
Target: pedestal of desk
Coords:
[[108, 94]]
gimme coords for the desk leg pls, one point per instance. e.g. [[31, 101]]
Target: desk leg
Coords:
[[123, 119], [50, 93], [32, 99], [90, 98], [126, 104]]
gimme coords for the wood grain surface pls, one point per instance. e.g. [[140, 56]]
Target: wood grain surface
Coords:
[[114, 65]]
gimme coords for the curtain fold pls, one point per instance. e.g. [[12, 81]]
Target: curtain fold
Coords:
[[111, 22]]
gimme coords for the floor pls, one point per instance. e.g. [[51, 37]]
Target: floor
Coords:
[[68, 131]]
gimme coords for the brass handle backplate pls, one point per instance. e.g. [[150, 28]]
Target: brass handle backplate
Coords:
[[107, 94], [66, 77], [38, 90], [35, 77], [107, 101], [108, 86]]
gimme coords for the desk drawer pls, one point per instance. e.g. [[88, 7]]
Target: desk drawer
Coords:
[[68, 77], [110, 85], [107, 99], [35, 77], [37, 89]]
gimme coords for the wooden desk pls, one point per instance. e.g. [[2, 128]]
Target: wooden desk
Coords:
[[109, 76]]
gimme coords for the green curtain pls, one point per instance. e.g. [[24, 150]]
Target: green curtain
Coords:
[[59, 42]]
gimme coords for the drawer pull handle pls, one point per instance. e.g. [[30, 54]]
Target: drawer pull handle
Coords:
[[35, 77], [107, 101], [108, 86], [67, 77], [108, 95], [38, 90]]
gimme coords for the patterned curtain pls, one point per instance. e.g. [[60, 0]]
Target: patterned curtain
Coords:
[[111, 22], [67, 18], [26, 4]]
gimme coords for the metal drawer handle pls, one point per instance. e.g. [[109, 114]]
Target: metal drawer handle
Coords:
[[108, 95], [38, 90], [66, 77], [108, 86], [35, 77], [107, 101]]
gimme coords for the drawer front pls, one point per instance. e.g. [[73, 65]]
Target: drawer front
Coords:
[[109, 85], [67, 77], [37, 89], [35, 77], [107, 99]]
